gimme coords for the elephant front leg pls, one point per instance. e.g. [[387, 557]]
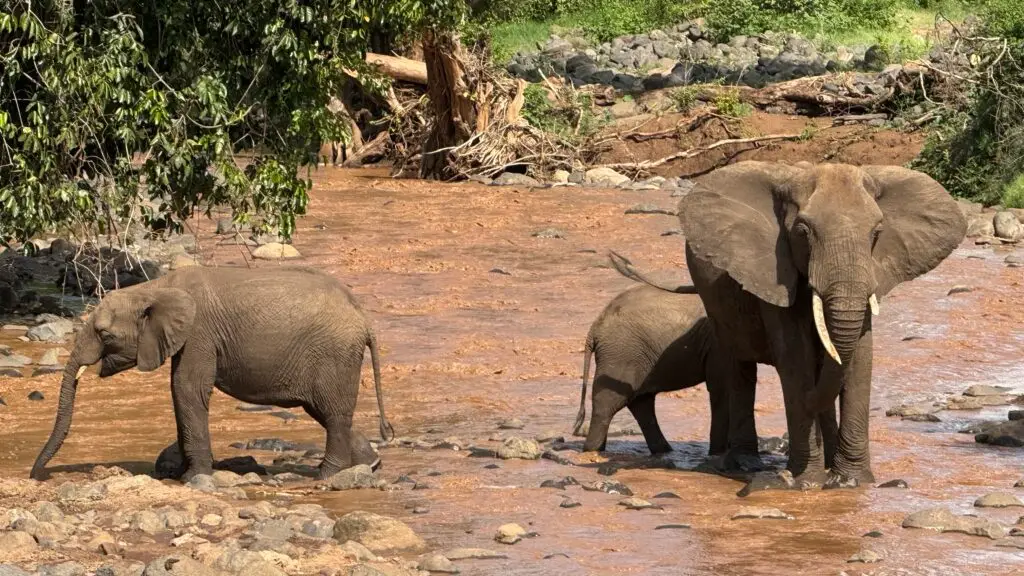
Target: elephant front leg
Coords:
[[642, 408], [738, 380], [852, 466], [191, 387]]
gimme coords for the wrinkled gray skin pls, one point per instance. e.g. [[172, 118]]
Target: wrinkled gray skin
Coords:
[[763, 238], [285, 337], [647, 341]]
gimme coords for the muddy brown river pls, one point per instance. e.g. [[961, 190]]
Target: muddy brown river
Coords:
[[479, 321]]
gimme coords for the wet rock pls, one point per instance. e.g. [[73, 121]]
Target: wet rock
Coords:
[[438, 563], [549, 233], [964, 403], [50, 358], [481, 452], [605, 177], [773, 445], [549, 436], [46, 370], [607, 486], [560, 484], [986, 390], [13, 360], [501, 271], [421, 510], [959, 290], [865, 557], [649, 209], [520, 448], [54, 330], [1014, 415], [673, 232], [456, 554], [9, 373], [63, 569], [357, 551], [1019, 484], [556, 555], [378, 533], [178, 565], [275, 251], [634, 503], [36, 396], [761, 512], [511, 424], [360, 476], [667, 495], [998, 500], [514, 179], [672, 527], [509, 533], [942, 520], [556, 457], [1009, 434], [873, 534], [16, 542], [915, 411], [569, 502], [897, 483], [203, 483]]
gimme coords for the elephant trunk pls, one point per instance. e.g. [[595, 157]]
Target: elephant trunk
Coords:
[[65, 407], [839, 317]]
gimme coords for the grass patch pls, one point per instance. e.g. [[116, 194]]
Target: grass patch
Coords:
[[1013, 195], [512, 37], [728, 104]]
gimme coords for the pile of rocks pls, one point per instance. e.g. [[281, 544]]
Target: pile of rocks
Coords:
[[600, 177], [685, 54], [993, 225]]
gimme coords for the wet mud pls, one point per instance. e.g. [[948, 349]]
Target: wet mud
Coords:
[[479, 321]]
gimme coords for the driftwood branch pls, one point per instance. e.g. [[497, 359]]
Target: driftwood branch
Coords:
[[696, 151], [399, 68]]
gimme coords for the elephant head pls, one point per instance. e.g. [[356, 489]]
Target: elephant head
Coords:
[[139, 327], [849, 233]]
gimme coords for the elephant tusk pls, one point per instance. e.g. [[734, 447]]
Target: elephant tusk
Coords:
[[819, 325], [873, 302], [81, 370]]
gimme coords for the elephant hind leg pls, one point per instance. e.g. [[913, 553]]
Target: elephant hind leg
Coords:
[[340, 449], [609, 396], [642, 408]]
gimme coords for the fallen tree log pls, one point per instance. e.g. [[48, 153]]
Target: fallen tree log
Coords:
[[399, 68]]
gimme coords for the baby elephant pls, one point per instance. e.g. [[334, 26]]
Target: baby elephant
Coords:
[[280, 336], [648, 341]]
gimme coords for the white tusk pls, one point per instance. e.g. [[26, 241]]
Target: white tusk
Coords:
[[873, 302], [81, 370], [819, 324]]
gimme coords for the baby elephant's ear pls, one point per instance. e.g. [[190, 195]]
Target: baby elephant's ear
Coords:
[[733, 219], [165, 322]]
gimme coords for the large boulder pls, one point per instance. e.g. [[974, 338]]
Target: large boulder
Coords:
[[380, 534]]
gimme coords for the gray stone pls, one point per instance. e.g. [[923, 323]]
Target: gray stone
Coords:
[[549, 233], [456, 554], [360, 476], [275, 251], [357, 551], [203, 483], [981, 225], [178, 565], [438, 563], [50, 358], [71, 493], [1007, 226], [520, 448], [10, 570], [63, 569], [650, 209], [865, 557], [514, 179], [755, 512], [986, 390], [604, 176], [14, 361], [634, 503], [942, 520], [608, 487], [511, 424], [51, 331], [509, 533], [999, 500], [147, 521], [378, 533], [322, 527], [16, 542]]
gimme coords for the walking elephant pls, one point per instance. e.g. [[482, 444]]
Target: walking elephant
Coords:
[[278, 336], [788, 261]]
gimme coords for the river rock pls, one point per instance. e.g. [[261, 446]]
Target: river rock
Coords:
[[604, 177], [359, 476], [1007, 226], [509, 533], [570, 502], [50, 358], [998, 500], [649, 209], [549, 233], [634, 503], [16, 542], [980, 225], [607, 486], [36, 396], [761, 512], [62, 569], [986, 390], [514, 179], [72, 493], [1010, 434], [275, 251], [897, 483], [179, 565], [378, 533], [10, 570], [511, 424], [456, 554], [438, 563], [356, 551], [14, 360], [147, 521], [942, 520], [560, 177], [54, 330], [520, 448], [865, 557], [915, 410]]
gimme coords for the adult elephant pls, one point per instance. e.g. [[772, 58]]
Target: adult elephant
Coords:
[[788, 261], [281, 336]]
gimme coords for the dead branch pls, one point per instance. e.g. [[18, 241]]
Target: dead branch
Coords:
[[696, 151]]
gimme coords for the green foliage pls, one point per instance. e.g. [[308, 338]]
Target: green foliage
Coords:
[[103, 102], [1003, 18], [729, 104], [571, 115], [731, 17], [1013, 195], [684, 98]]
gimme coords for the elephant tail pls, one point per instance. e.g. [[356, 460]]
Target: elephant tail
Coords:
[[588, 351], [623, 266], [385, 426]]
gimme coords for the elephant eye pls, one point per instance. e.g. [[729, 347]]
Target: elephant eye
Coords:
[[875, 234], [106, 337], [802, 229]]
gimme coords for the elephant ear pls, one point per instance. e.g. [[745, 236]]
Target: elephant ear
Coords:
[[921, 225], [733, 219], [164, 324]]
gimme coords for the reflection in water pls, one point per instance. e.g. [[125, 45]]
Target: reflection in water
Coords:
[[464, 347]]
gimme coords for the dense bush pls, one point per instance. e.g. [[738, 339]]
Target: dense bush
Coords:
[[974, 150], [731, 17]]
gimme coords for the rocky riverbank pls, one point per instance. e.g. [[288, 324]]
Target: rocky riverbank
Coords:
[[687, 54]]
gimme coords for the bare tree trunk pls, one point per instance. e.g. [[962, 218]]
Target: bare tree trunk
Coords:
[[455, 109]]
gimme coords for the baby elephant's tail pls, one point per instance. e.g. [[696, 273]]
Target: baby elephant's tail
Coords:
[[588, 351], [623, 266], [385, 426]]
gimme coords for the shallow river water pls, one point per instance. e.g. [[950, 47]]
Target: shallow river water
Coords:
[[479, 322]]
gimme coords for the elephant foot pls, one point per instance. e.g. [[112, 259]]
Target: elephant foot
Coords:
[[658, 449], [782, 480], [742, 462], [837, 479], [194, 471]]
